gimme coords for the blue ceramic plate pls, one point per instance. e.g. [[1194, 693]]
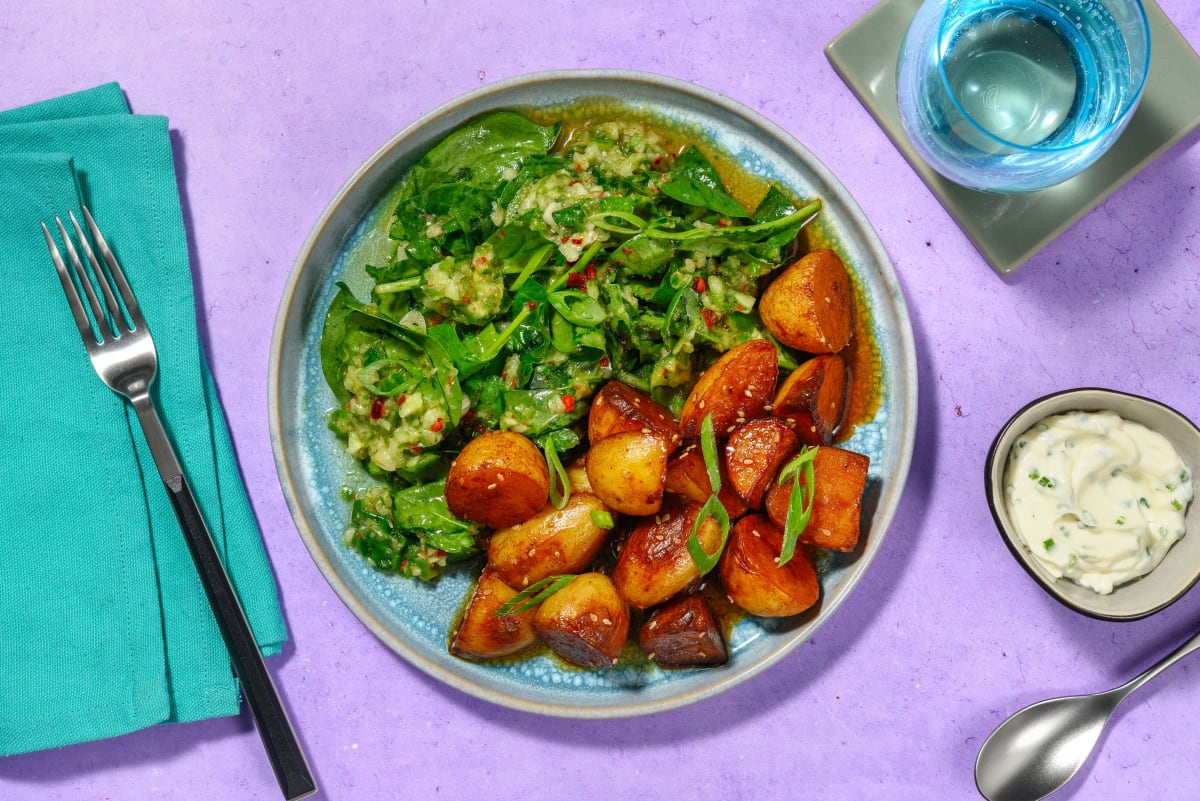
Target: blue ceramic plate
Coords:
[[413, 618]]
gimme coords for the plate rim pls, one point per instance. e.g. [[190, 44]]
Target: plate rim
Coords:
[[905, 371]]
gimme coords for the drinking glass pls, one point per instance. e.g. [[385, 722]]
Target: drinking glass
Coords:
[[1019, 95]]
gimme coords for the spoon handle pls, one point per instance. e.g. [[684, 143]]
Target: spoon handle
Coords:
[[1183, 650]]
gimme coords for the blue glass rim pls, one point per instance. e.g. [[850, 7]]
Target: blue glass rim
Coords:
[[1118, 123]]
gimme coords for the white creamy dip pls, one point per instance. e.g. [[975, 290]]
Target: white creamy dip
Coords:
[[1097, 499]]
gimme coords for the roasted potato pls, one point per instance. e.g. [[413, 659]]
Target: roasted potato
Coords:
[[840, 477], [585, 622], [752, 577], [738, 387], [810, 305], [577, 475], [654, 563], [687, 476], [683, 633], [483, 635], [627, 471], [754, 453], [551, 542], [499, 479], [814, 398], [619, 407]]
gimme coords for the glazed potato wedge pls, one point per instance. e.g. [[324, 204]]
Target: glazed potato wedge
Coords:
[[738, 387], [687, 476], [552, 542], [754, 453], [627, 471], [585, 622], [683, 633], [814, 398], [654, 564], [840, 477], [752, 578], [499, 479], [482, 635], [619, 407], [810, 305]]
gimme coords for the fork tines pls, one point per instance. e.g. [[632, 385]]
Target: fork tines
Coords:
[[114, 323]]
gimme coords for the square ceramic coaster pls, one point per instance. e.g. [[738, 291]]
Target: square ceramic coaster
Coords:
[[1009, 229]]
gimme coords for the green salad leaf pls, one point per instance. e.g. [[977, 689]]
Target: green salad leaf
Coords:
[[409, 531]]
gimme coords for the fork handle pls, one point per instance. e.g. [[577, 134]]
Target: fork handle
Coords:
[[279, 739]]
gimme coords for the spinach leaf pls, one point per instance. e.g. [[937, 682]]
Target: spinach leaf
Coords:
[[376, 537], [540, 411], [412, 532], [445, 373], [353, 315], [422, 510], [462, 213], [333, 365], [487, 392], [773, 206], [483, 150], [694, 181], [780, 229], [644, 254]]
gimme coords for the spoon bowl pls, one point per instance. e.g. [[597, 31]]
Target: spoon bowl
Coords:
[[1042, 747]]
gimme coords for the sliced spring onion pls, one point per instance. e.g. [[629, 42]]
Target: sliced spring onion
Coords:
[[704, 560], [586, 257], [602, 519], [708, 448], [535, 263], [602, 220], [560, 485], [401, 285], [533, 595], [800, 500], [713, 507]]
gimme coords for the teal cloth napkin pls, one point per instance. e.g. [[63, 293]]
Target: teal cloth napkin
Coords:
[[104, 626]]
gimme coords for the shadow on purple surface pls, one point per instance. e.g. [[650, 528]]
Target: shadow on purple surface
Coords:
[[157, 744], [1150, 193]]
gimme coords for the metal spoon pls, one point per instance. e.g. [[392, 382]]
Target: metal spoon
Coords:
[[1040, 748]]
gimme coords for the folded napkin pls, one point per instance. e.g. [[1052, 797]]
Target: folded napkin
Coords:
[[104, 626]]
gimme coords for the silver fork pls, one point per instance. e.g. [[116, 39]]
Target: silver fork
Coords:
[[124, 357]]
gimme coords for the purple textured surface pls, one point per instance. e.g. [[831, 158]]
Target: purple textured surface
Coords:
[[274, 105]]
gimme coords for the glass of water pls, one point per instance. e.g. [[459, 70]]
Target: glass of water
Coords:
[[1020, 95]]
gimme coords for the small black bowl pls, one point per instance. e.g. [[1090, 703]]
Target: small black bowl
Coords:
[[1179, 569]]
